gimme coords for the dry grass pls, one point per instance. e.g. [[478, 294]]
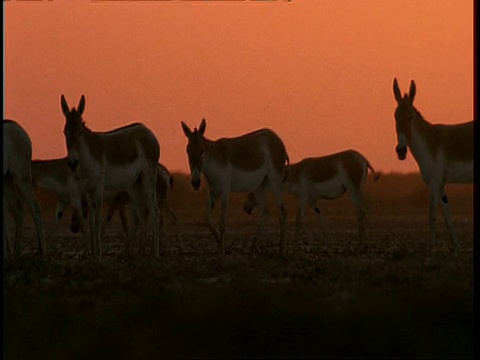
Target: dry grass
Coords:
[[391, 300]]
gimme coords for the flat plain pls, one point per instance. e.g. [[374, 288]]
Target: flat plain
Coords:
[[392, 299]]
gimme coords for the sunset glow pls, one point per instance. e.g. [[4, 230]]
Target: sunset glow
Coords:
[[319, 73]]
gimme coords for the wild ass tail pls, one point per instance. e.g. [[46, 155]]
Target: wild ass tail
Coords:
[[376, 175]]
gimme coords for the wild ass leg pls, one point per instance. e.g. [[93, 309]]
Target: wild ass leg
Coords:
[[7, 245], [122, 212], [110, 213], [174, 219], [59, 211], [298, 225], [108, 218], [78, 223], [321, 223], [223, 222], [161, 224], [13, 203], [433, 191], [212, 198], [283, 225], [133, 230], [358, 203], [18, 216], [154, 217], [447, 216], [143, 223], [277, 193], [264, 213], [149, 184], [137, 212], [91, 217], [24, 186], [95, 216], [98, 204]]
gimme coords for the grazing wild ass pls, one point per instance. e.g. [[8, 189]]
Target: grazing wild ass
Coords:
[[252, 162], [113, 161], [55, 176], [17, 177], [120, 203], [444, 154], [325, 177]]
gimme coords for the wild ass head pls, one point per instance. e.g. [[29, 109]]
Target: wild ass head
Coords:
[[195, 150], [73, 129], [404, 115]]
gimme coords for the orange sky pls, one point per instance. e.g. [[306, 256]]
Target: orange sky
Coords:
[[319, 73]]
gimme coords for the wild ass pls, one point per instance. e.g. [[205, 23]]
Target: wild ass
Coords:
[[113, 161], [253, 162], [325, 177], [122, 201], [12, 203], [17, 176], [444, 154], [55, 176]]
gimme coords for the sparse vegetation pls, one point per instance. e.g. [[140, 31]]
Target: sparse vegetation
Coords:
[[391, 300]]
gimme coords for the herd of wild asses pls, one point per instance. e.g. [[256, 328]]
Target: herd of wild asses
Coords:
[[121, 168]]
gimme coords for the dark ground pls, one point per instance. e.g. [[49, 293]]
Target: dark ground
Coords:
[[392, 300]]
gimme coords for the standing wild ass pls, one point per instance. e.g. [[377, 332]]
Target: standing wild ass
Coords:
[[120, 203], [55, 176], [113, 161], [444, 154], [325, 177], [17, 176], [252, 162], [12, 203]]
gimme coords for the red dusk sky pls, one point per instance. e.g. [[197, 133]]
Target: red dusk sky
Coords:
[[319, 73]]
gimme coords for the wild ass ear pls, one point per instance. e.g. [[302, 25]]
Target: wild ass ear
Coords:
[[412, 91], [81, 105], [65, 108], [186, 130], [203, 126], [396, 90]]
